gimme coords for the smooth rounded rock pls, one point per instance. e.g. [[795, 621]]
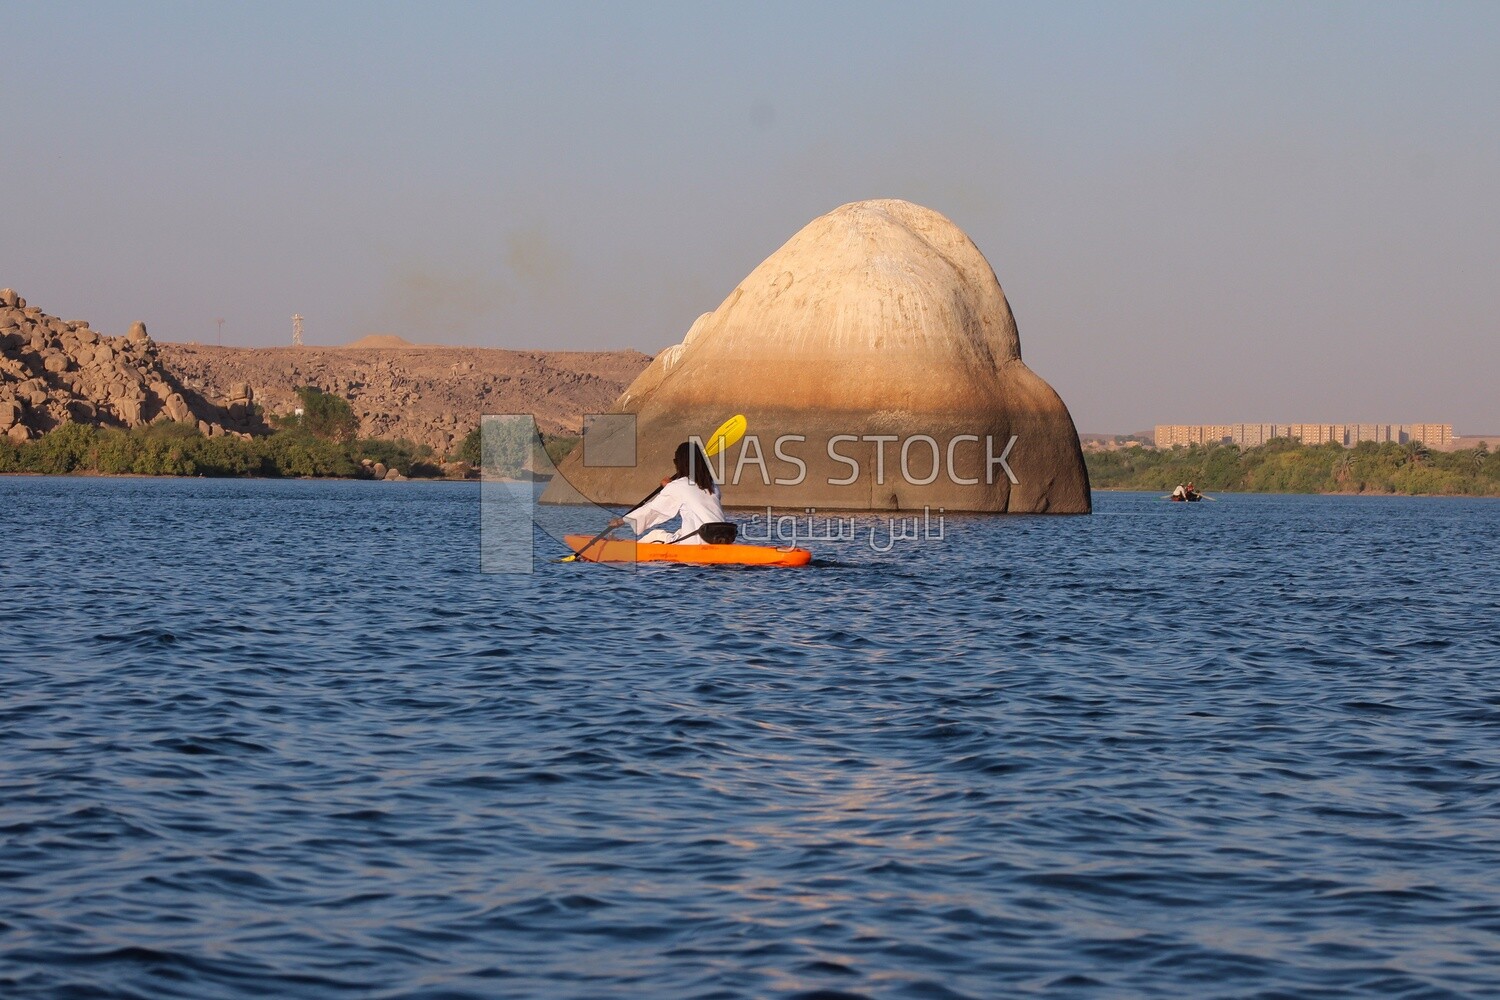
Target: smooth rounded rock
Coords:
[[128, 410], [177, 408], [879, 367]]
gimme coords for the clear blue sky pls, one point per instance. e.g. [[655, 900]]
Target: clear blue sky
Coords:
[[1199, 212]]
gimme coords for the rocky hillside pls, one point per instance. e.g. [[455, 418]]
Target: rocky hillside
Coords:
[[428, 395], [54, 371]]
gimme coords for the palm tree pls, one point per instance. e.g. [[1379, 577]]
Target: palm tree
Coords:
[[1343, 467]]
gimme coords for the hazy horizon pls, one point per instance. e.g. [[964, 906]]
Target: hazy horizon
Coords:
[[1199, 214]]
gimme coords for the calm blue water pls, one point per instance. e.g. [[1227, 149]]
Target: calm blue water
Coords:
[[283, 739]]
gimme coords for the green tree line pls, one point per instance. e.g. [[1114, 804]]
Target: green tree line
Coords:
[[1287, 466], [320, 441], [170, 449]]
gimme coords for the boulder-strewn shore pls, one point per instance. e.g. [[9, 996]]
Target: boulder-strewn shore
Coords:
[[55, 371]]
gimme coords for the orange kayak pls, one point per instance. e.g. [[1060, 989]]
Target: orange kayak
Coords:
[[620, 550]]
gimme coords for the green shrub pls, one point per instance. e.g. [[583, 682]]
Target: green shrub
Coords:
[[226, 456], [469, 448], [295, 453], [115, 452], [399, 454], [327, 416], [65, 449]]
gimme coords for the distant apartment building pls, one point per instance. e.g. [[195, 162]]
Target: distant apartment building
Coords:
[[1348, 435]]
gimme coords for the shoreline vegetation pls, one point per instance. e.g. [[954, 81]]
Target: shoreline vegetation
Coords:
[[1287, 466], [179, 450], [319, 443]]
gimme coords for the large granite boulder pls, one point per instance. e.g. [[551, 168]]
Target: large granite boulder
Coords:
[[128, 410], [877, 350], [178, 409]]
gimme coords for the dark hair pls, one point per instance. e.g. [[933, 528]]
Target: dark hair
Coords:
[[691, 464]]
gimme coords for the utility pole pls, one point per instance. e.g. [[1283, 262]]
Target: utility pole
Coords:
[[297, 329], [220, 321]]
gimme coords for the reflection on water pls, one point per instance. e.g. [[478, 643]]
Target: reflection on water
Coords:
[[285, 739]]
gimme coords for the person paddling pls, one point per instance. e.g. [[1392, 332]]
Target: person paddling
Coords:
[[690, 493], [1180, 493]]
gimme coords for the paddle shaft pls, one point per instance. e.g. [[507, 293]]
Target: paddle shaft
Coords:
[[590, 544]]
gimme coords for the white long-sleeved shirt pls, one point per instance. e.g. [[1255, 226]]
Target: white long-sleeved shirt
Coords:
[[680, 497]]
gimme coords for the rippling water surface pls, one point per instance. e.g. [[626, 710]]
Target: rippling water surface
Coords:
[[284, 739]]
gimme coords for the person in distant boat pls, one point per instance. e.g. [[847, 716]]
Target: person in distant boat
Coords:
[[691, 494], [1180, 493], [1192, 492]]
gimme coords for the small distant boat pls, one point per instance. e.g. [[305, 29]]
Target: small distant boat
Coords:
[[1187, 498]]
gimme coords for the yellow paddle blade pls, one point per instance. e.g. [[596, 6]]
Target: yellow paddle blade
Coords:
[[727, 436]]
